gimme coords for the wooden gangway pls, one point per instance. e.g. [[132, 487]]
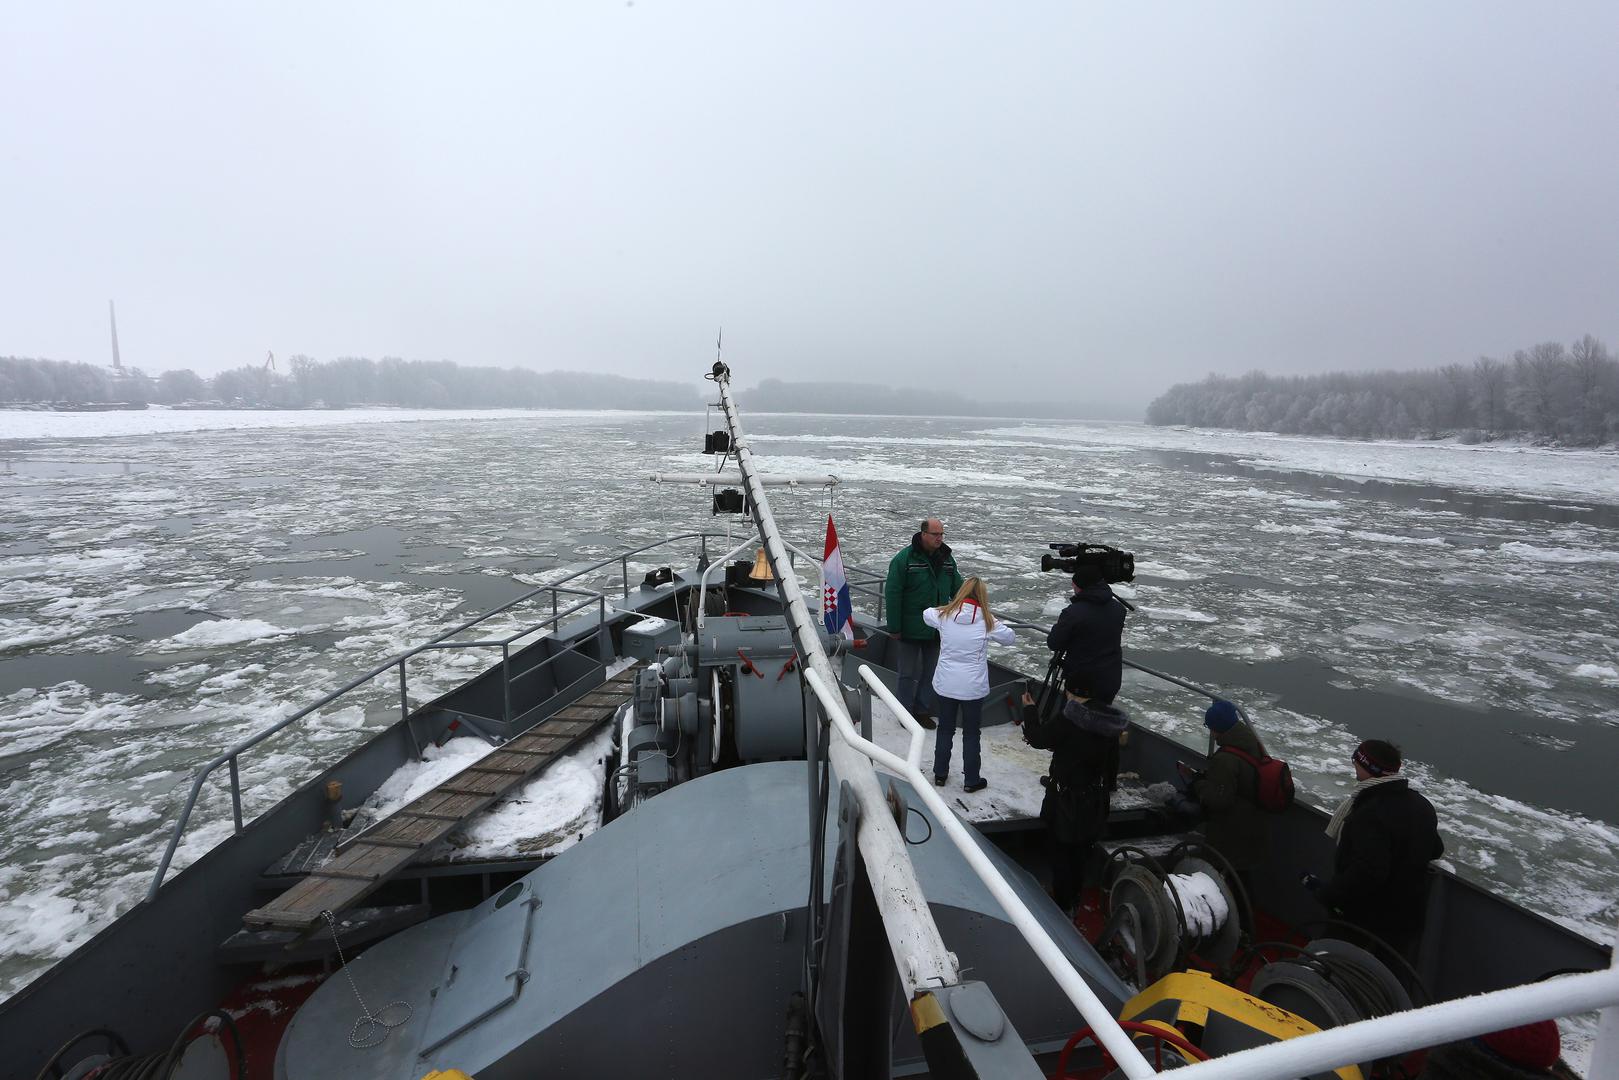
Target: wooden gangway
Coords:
[[382, 851]]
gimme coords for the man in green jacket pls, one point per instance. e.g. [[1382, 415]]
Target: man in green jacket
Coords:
[[921, 576]]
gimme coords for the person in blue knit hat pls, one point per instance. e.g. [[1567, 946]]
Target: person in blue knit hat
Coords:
[[1234, 823], [1221, 717]]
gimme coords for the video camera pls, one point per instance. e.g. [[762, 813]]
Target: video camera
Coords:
[[1114, 565]]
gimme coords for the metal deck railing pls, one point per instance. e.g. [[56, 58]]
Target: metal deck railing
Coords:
[[1047, 951], [555, 590]]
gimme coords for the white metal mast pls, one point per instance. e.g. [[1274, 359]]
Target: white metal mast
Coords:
[[919, 950]]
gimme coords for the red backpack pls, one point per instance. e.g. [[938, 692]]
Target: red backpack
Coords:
[[1274, 791]]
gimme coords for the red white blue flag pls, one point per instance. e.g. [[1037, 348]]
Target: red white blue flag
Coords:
[[835, 606]]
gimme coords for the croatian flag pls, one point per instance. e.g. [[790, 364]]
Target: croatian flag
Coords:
[[835, 606]]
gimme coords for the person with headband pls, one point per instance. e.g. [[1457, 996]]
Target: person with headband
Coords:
[[1387, 834]]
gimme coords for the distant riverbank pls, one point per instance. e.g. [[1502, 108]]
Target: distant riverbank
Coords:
[[44, 424]]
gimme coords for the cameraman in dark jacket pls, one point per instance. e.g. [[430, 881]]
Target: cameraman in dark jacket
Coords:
[[1084, 745], [1081, 728], [1089, 634]]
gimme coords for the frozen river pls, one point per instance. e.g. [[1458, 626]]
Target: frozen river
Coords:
[[171, 582]]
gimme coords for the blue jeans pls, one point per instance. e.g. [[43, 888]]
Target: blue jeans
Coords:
[[971, 713], [917, 659]]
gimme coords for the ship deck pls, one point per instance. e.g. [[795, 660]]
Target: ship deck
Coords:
[[560, 808], [1012, 767]]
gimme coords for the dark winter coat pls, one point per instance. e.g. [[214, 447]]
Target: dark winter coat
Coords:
[[917, 581], [1084, 770], [1380, 871], [1235, 824], [1089, 633]]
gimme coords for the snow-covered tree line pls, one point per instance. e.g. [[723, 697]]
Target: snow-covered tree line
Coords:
[[1551, 392], [307, 383]]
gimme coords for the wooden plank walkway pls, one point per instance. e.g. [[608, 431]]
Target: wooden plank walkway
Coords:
[[385, 849]]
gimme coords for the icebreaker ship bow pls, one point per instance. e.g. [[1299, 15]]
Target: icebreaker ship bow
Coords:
[[686, 833]]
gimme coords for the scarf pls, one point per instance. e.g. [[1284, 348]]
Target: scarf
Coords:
[[1340, 815]]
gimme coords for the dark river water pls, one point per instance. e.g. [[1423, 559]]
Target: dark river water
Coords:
[[163, 595]]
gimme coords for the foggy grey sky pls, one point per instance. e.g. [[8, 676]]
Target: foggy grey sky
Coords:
[[1019, 201]]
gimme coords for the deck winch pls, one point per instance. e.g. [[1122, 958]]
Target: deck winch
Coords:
[[1186, 908], [729, 693], [1159, 913]]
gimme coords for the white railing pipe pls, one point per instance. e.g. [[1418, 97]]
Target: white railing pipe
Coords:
[[1417, 1029], [729, 479], [702, 579], [920, 956], [913, 754], [1102, 1022]]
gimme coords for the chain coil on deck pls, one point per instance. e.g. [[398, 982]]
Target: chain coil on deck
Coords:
[[368, 1021]]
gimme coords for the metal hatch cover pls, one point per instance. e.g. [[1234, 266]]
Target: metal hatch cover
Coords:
[[487, 968]]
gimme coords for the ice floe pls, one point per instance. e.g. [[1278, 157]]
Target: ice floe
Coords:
[[215, 634], [1535, 553]]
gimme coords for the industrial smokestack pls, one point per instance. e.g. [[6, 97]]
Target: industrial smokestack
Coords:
[[112, 313]]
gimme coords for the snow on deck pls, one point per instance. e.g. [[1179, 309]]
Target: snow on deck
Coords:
[[563, 805], [1012, 767], [546, 816]]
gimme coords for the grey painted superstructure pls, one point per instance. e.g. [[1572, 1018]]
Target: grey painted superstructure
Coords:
[[684, 915]]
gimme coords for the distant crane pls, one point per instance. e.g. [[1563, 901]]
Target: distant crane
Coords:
[[112, 313]]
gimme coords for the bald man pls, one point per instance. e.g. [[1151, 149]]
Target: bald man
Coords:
[[921, 576]]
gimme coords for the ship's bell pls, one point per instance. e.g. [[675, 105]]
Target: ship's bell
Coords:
[[761, 567]]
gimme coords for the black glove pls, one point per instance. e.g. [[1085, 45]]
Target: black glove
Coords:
[[1186, 807]]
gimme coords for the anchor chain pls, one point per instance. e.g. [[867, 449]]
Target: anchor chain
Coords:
[[367, 1019]]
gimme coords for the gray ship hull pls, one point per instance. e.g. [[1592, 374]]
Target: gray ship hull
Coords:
[[679, 932]]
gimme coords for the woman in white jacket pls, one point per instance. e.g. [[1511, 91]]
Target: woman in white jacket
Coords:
[[961, 679]]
